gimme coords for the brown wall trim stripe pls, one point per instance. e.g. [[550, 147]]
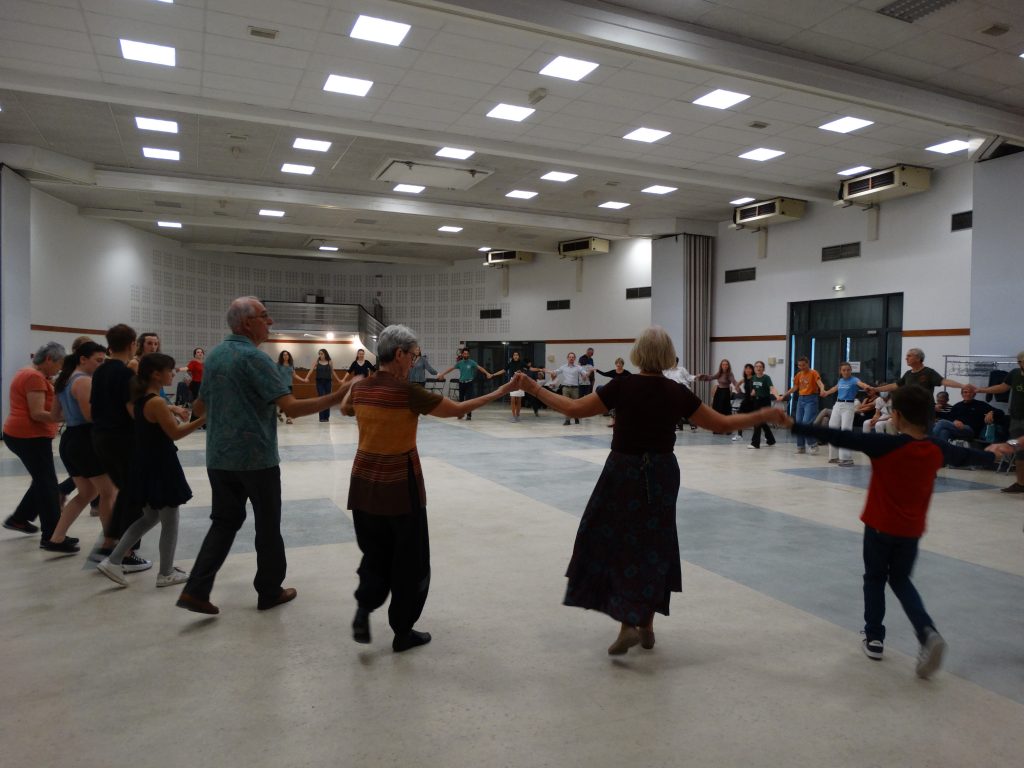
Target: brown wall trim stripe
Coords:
[[589, 342], [64, 329], [939, 332]]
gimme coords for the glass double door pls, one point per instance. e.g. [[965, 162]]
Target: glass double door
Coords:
[[494, 355], [826, 350]]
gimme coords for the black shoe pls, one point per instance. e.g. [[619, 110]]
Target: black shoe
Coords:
[[72, 539], [67, 546], [21, 526], [132, 563], [469, 417], [410, 639], [565, 423], [361, 626], [577, 421], [1015, 488]]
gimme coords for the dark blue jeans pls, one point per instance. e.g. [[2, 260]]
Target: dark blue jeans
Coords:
[[323, 387], [890, 558], [944, 430]]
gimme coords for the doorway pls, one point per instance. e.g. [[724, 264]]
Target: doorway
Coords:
[[494, 355]]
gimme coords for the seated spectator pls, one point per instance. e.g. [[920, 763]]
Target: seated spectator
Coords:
[[967, 419], [942, 406], [880, 422]]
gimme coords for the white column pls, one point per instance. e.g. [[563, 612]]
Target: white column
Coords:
[[15, 278]]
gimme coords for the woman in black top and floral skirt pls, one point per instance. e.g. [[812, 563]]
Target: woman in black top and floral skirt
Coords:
[[625, 562]]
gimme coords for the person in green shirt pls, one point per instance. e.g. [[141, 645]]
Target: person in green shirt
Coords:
[[1014, 384], [467, 368], [764, 395]]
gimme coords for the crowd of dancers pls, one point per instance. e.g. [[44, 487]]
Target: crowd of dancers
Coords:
[[118, 448]]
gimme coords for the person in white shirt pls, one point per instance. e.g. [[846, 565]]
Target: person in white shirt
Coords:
[[571, 376], [680, 374]]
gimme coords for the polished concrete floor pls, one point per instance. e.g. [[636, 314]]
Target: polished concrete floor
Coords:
[[758, 665]]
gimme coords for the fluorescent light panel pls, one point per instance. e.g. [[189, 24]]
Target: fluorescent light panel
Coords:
[[328, 248], [658, 189], [741, 201], [647, 135], [949, 147], [558, 176], [511, 112], [379, 30], [761, 154], [522, 194], [152, 124], [311, 144], [350, 86], [154, 153], [455, 153], [568, 69], [412, 189], [169, 224], [305, 170], [851, 171], [447, 228], [721, 99], [272, 213], [846, 125], [614, 205], [484, 248], [151, 53]]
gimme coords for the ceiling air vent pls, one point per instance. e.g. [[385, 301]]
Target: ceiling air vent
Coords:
[[495, 258], [740, 275], [430, 174], [889, 183], [765, 212], [263, 33], [959, 221], [558, 304], [588, 246], [837, 252], [912, 10], [166, 204]]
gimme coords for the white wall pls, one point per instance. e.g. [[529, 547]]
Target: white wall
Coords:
[[915, 254], [15, 279], [90, 273], [997, 259]]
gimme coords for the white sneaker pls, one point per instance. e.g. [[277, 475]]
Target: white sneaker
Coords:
[[929, 658], [753, 447], [813, 450], [736, 438], [176, 576], [113, 572]]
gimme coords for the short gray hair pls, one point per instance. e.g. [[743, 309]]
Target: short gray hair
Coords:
[[653, 350], [240, 310], [392, 339], [51, 350], [918, 353]]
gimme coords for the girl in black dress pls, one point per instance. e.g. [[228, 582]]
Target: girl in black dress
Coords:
[[360, 367], [159, 482], [325, 378]]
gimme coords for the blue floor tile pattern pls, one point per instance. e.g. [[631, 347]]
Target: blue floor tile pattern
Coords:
[[858, 476]]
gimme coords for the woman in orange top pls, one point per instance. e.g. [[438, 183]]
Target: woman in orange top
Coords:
[[808, 385], [29, 432]]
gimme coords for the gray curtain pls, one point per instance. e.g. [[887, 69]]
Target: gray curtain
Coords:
[[698, 261]]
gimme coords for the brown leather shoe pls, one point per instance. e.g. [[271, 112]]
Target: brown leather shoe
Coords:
[[646, 638], [628, 637], [196, 605], [286, 596]]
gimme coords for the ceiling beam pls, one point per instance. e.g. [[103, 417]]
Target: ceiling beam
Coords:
[[18, 80], [668, 39], [311, 231], [364, 256]]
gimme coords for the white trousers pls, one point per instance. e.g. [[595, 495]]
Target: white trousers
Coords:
[[841, 418]]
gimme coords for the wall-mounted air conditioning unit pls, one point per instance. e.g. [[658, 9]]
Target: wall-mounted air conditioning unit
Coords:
[[898, 181], [766, 212], [588, 246], [496, 258]]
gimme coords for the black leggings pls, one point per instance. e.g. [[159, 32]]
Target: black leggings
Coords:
[[41, 499]]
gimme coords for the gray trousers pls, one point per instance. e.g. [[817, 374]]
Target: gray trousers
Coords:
[[168, 519]]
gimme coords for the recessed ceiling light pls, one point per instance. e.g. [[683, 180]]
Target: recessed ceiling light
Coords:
[[720, 99], [761, 154], [169, 224], [522, 194], [846, 125], [613, 204], [455, 153], [311, 144], [447, 228], [160, 154], [379, 30], [646, 134], [568, 69], [484, 248], [148, 52], [852, 171], [271, 212], [741, 201], [305, 170], [558, 176], [352, 86], [949, 147], [412, 189], [658, 189], [152, 124], [328, 248], [511, 112]]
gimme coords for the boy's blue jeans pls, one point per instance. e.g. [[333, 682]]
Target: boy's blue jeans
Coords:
[[806, 410], [890, 558]]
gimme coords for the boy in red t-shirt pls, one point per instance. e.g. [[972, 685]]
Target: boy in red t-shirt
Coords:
[[903, 471]]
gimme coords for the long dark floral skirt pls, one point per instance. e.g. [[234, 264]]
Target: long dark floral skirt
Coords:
[[625, 562]]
